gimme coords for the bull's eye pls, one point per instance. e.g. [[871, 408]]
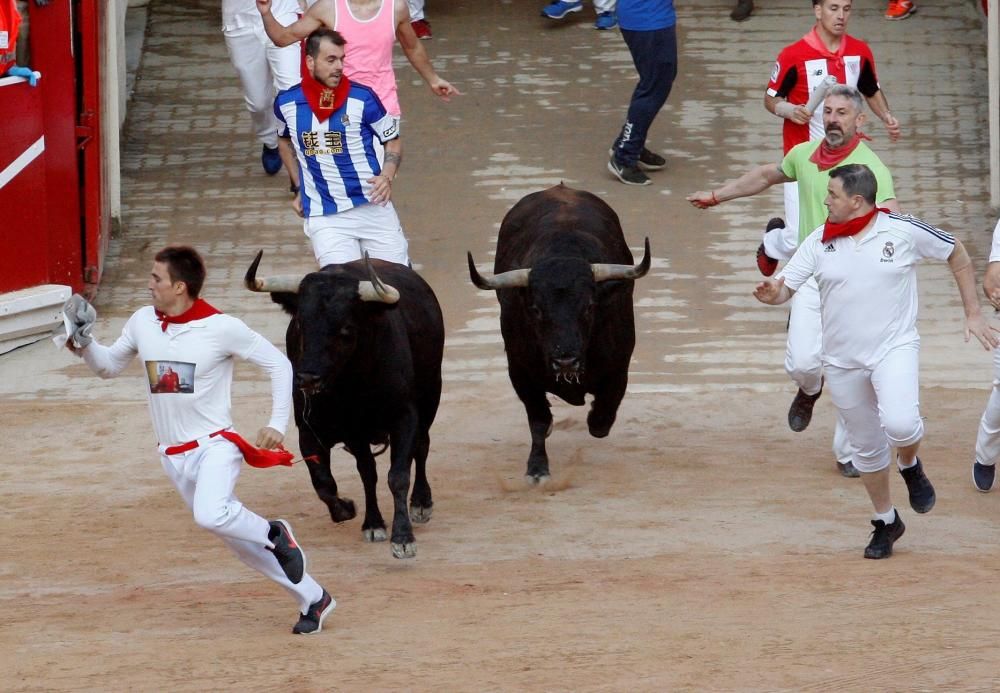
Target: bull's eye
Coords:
[[345, 332]]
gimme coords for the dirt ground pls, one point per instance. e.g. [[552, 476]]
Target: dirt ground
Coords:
[[701, 546]]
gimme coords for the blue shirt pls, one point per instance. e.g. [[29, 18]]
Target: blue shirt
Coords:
[[646, 15]]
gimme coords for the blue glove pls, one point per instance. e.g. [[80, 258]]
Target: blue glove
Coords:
[[25, 72]]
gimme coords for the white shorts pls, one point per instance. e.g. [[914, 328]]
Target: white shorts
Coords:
[[345, 236]]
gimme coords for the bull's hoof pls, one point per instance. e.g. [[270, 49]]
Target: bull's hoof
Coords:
[[342, 510], [407, 550], [599, 427], [537, 479], [374, 534], [420, 515]]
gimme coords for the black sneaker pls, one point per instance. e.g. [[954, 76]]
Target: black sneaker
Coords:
[[629, 175], [983, 476], [742, 11], [922, 496], [848, 469], [287, 551], [801, 411], [883, 537], [651, 161], [311, 622]]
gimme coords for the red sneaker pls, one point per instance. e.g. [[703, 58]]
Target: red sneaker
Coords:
[[900, 9], [422, 28]]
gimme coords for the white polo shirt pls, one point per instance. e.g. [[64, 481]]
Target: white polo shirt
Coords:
[[868, 289], [189, 371], [237, 14]]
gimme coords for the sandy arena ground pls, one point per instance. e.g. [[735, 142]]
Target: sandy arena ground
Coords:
[[702, 546]]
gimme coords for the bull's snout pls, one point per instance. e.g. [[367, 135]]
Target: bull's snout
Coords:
[[307, 382], [566, 368]]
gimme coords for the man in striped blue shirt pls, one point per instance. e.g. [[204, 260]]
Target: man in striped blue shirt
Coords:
[[337, 129]]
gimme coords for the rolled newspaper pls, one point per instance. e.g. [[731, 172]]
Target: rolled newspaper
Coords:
[[820, 92]]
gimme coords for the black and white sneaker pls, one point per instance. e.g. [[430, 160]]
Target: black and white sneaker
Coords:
[[922, 496], [311, 622], [290, 557], [801, 411], [983, 476], [651, 161], [629, 175], [883, 537]]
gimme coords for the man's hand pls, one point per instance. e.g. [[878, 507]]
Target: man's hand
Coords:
[[702, 199], [297, 206], [381, 190], [770, 291], [984, 331], [264, 7], [268, 438], [892, 126], [444, 89], [991, 284], [800, 115]]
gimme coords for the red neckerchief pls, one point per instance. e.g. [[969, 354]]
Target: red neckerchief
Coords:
[[198, 310], [832, 229], [258, 457], [322, 100], [814, 41], [825, 157]]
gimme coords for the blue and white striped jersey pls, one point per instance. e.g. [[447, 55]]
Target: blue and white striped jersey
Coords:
[[336, 157]]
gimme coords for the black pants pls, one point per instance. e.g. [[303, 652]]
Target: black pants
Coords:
[[655, 56]]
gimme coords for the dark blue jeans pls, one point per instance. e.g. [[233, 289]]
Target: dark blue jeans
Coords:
[[655, 56]]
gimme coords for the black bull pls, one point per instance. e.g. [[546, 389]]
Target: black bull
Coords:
[[563, 275], [367, 362]]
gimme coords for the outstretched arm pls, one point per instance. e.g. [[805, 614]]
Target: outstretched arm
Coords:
[[296, 31], [975, 324], [267, 356], [773, 292], [415, 53], [750, 183]]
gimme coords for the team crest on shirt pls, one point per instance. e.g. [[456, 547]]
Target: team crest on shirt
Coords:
[[888, 250], [345, 119], [776, 71], [170, 377]]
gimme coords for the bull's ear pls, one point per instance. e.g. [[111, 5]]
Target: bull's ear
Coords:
[[288, 301]]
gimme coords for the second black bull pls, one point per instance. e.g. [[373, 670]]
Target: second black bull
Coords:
[[365, 341], [564, 277]]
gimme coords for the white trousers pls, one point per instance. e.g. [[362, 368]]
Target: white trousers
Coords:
[[803, 355], [988, 438], [345, 236], [206, 478], [880, 406], [263, 69], [416, 8], [781, 244]]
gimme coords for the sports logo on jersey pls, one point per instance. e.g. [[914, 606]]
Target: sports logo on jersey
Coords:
[[829, 248], [170, 377], [329, 143], [888, 250], [776, 71]]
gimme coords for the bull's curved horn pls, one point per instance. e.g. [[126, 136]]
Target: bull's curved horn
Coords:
[[374, 289], [282, 282], [513, 279], [604, 272]]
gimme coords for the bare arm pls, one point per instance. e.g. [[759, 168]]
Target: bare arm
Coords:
[[783, 109], [991, 284], [414, 50], [382, 183], [319, 14], [750, 183], [975, 324], [880, 107], [773, 292]]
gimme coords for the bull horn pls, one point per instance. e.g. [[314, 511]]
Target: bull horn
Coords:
[[374, 289], [513, 279], [278, 283], [604, 272]]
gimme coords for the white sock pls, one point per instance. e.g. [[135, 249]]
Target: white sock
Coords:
[[887, 517], [985, 464], [909, 466]]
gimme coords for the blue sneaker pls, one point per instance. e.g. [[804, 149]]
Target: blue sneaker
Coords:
[[561, 8], [270, 160], [605, 21]]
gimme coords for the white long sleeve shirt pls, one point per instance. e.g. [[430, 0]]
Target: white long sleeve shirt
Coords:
[[189, 371]]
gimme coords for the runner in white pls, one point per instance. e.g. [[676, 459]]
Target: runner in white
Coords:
[[864, 261], [333, 126], [188, 348], [988, 438]]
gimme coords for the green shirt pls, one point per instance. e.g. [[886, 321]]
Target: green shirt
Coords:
[[812, 182]]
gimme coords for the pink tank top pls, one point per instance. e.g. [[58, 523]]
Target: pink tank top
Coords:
[[368, 57]]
